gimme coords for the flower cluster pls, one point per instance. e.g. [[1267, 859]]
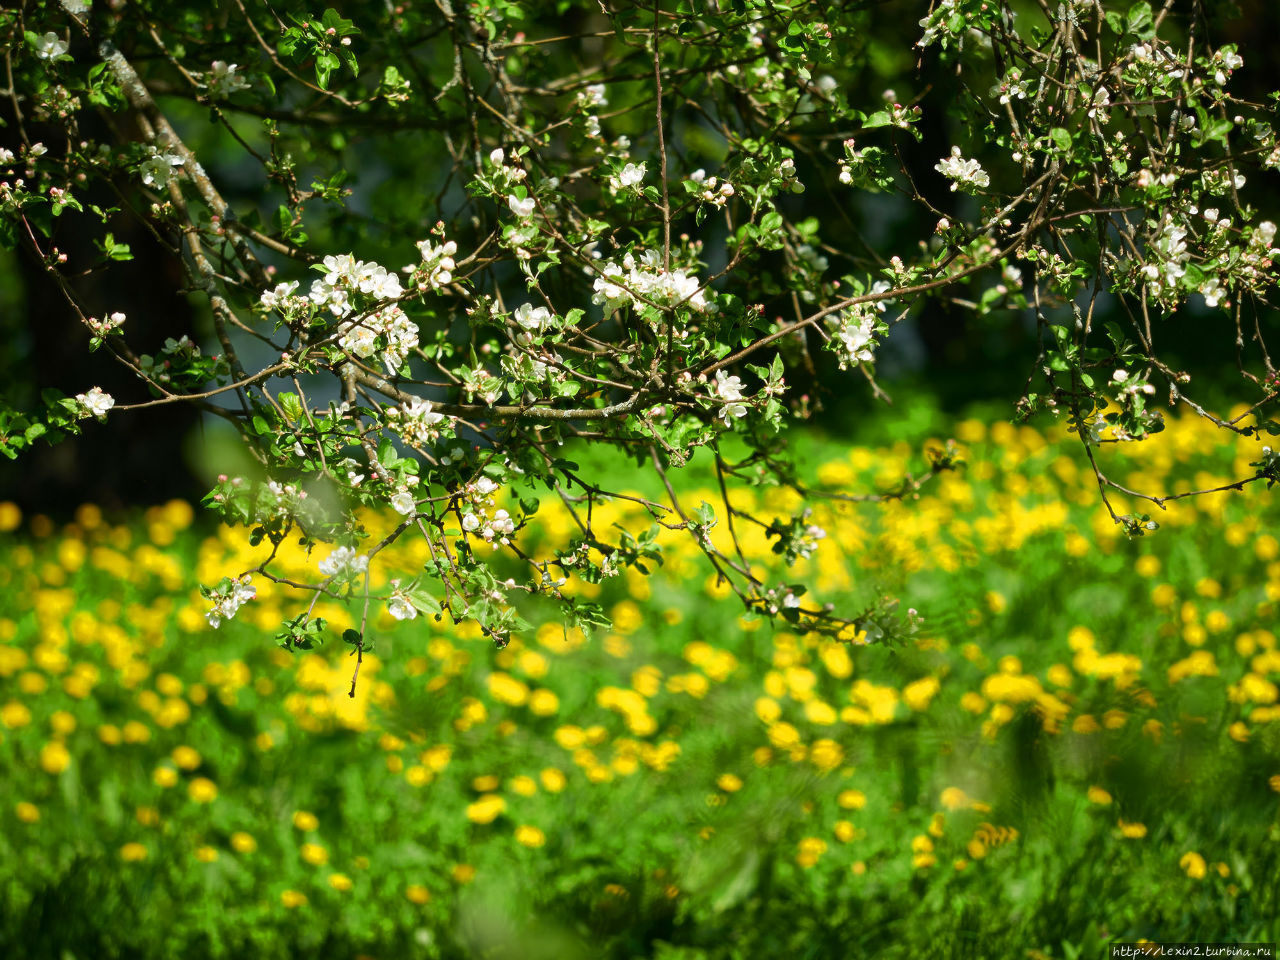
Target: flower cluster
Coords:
[[417, 422], [230, 596], [437, 266], [344, 563], [504, 175], [96, 402], [158, 168], [104, 327], [1167, 258], [1224, 62], [632, 175], [344, 275], [963, 173], [713, 191], [222, 80], [533, 319], [728, 390], [477, 518], [590, 99], [593, 96], [642, 278], [858, 338], [388, 329], [287, 498], [1013, 87], [399, 605], [282, 297]]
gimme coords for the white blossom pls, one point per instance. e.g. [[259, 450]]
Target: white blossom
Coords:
[[533, 318], [225, 605], [271, 299], [728, 387], [104, 327], [96, 402], [51, 46], [437, 262], [593, 96], [521, 208], [344, 562], [399, 605], [963, 173], [643, 275], [416, 421], [857, 332], [630, 176], [159, 168], [222, 79], [1213, 292]]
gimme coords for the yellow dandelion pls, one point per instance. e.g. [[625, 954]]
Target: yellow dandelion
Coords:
[[729, 783], [953, 798], [242, 842], [1193, 865], [292, 898], [463, 873], [314, 854], [27, 812], [187, 758], [305, 821], [133, 852], [206, 854], [486, 809], [852, 799], [135, 732], [543, 703], [416, 893], [340, 882], [530, 836], [202, 790], [54, 757]]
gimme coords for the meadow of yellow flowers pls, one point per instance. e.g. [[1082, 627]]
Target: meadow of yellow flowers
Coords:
[[1080, 747]]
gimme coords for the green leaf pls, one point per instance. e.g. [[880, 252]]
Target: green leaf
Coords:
[[326, 63], [292, 406], [1140, 20]]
